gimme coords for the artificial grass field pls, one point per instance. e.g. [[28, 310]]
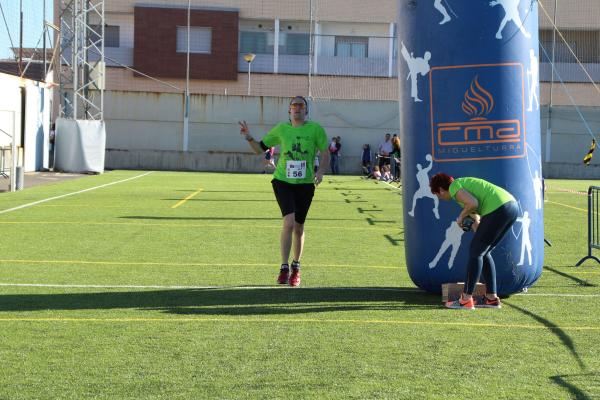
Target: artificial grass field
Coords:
[[149, 295]]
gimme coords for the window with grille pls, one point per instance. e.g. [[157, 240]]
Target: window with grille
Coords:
[[253, 42], [295, 44], [200, 39], [351, 46]]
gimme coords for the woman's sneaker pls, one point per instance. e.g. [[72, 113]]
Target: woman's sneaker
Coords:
[[488, 303], [461, 304]]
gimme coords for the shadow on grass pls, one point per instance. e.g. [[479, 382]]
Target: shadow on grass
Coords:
[[575, 279], [248, 200], [573, 383], [556, 330], [156, 218], [394, 241], [230, 301]]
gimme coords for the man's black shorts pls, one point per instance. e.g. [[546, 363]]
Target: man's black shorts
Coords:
[[294, 198]]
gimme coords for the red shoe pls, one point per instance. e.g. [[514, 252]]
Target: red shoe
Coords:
[[489, 303], [295, 277], [284, 274], [461, 304]]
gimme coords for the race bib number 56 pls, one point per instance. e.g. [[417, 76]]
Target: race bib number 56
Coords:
[[295, 169]]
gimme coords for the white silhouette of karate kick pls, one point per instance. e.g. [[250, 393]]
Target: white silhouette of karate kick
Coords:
[[424, 191], [525, 241], [533, 77], [538, 190], [511, 13], [453, 237], [416, 66], [440, 7]]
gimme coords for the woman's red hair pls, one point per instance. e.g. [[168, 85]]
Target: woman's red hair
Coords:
[[440, 181]]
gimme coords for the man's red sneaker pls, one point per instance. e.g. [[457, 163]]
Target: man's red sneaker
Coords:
[[295, 277], [284, 274]]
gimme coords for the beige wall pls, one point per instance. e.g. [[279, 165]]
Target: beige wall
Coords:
[[275, 85], [326, 10], [323, 87], [571, 14], [379, 13]]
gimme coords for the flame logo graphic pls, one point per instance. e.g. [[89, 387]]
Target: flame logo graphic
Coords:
[[478, 102]]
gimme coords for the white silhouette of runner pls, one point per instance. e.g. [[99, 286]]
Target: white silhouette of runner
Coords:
[[424, 191], [511, 13], [416, 66], [533, 75], [453, 236], [440, 7], [525, 241], [538, 190]]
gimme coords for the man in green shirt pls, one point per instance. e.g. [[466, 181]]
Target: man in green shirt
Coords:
[[294, 179], [495, 210]]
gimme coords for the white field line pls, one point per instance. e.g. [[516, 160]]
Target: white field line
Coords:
[[71, 194], [390, 185], [187, 225], [400, 290], [173, 264], [50, 285], [296, 320]]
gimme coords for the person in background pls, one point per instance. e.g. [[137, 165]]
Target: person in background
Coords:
[[269, 160], [386, 175], [334, 153], [366, 159], [395, 158], [384, 150], [376, 172], [51, 141], [498, 211]]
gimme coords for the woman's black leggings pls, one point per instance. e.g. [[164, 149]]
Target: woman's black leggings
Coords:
[[491, 230]]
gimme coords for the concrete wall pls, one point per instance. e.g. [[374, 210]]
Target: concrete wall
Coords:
[[570, 141], [144, 130]]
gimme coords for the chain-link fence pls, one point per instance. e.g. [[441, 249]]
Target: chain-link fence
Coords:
[[323, 48]]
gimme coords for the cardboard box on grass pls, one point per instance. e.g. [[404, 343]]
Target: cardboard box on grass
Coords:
[[452, 291]]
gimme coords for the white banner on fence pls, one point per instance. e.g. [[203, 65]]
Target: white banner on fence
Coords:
[[79, 145]]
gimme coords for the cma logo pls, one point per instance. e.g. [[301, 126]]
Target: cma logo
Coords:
[[473, 135]]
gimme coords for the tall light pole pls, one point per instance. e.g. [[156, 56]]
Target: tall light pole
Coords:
[[249, 58], [186, 111]]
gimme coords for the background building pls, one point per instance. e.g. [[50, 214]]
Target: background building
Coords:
[[340, 54]]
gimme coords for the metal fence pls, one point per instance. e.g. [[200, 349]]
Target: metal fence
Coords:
[[323, 49], [593, 220]]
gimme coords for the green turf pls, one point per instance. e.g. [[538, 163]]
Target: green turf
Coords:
[[224, 330]]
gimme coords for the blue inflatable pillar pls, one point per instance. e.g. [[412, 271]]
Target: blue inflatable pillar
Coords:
[[469, 106]]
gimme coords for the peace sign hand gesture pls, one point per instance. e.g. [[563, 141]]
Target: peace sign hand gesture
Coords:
[[244, 130]]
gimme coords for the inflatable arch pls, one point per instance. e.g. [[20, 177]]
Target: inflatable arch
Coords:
[[469, 106]]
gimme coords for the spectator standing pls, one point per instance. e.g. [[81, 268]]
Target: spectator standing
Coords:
[[334, 152], [395, 158], [366, 159], [384, 150]]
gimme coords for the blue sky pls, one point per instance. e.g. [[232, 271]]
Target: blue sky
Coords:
[[33, 19]]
